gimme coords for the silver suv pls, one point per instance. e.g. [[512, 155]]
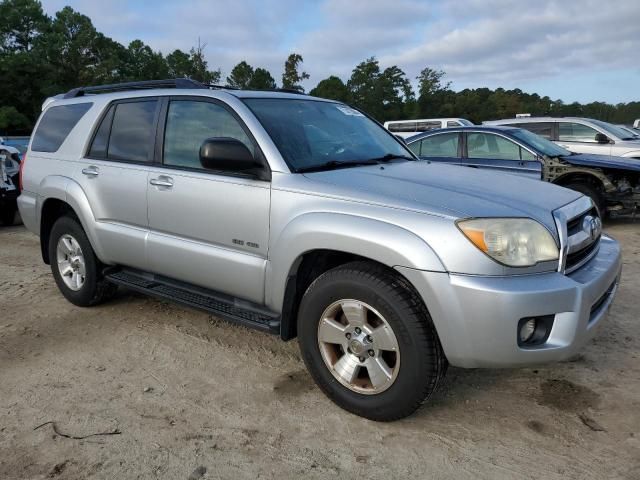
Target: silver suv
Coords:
[[580, 135], [303, 217]]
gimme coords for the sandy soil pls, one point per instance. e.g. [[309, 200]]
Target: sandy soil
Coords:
[[180, 394]]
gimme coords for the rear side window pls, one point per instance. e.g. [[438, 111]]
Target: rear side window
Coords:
[[127, 132], [544, 129], [132, 131], [55, 126]]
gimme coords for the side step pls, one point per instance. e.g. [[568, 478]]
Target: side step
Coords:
[[232, 309]]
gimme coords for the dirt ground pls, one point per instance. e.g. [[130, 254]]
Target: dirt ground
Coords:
[[179, 394]]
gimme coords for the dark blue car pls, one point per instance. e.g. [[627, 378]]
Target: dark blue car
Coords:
[[613, 183]]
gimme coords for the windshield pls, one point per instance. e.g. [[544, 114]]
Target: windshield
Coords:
[[613, 130], [311, 134], [539, 143]]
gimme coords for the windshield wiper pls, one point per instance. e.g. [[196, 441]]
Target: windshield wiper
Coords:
[[335, 164], [392, 156]]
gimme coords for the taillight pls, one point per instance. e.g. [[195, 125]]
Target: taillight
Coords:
[[24, 160]]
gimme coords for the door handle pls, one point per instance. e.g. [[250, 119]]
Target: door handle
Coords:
[[162, 181], [91, 171]]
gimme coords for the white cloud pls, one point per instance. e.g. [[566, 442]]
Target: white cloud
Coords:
[[477, 42]]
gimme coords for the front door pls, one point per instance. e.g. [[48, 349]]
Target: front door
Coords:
[[441, 147], [500, 154], [580, 138], [206, 228]]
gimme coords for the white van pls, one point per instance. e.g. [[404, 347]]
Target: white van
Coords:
[[408, 128]]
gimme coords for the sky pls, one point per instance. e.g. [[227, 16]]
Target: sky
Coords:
[[573, 50]]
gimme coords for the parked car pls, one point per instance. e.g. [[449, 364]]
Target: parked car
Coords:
[[580, 135], [632, 131], [408, 128], [300, 216], [9, 173], [636, 124], [19, 143], [613, 184]]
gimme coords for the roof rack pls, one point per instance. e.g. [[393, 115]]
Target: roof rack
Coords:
[[145, 85]]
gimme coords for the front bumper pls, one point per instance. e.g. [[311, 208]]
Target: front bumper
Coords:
[[477, 317]]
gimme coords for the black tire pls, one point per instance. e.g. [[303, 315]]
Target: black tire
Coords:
[[8, 214], [95, 288], [423, 363], [593, 192]]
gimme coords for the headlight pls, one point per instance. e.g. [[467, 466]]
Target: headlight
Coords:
[[516, 242]]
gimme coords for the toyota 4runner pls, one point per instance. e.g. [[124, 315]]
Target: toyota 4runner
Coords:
[[302, 217]]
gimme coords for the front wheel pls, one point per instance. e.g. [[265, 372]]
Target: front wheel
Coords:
[[593, 193], [369, 342]]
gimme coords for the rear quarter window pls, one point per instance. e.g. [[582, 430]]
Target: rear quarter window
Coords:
[[55, 126]]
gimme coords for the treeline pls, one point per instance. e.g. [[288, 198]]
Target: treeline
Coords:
[[42, 56]]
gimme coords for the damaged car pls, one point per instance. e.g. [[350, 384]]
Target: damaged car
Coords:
[[612, 183], [9, 177]]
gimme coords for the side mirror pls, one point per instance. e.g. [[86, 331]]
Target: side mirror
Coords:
[[601, 138], [227, 154]]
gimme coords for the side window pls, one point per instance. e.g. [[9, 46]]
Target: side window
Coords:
[[101, 140], [544, 129], [576, 132], [415, 147], [527, 155], [189, 123], [444, 145], [55, 126], [426, 126], [485, 145], [132, 131], [451, 123], [402, 127]]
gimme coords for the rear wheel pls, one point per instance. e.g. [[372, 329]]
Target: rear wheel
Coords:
[[368, 341], [75, 267], [593, 192]]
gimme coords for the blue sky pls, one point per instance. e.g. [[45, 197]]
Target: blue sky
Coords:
[[578, 50]]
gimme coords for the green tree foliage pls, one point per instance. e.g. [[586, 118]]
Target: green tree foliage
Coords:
[[332, 88], [11, 119], [382, 94], [240, 75], [244, 76], [290, 77]]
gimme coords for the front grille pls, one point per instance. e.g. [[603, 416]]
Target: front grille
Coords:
[[574, 259], [576, 241]]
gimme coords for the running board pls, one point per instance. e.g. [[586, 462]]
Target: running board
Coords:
[[232, 309]]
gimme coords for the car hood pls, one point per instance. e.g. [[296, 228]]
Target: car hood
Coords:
[[603, 161], [447, 190]]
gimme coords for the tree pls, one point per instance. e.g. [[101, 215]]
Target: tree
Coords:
[[10, 118], [290, 77], [261, 80], [179, 64], [22, 22], [240, 75], [332, 88], [200, 68], [432, 92], [142, 63]]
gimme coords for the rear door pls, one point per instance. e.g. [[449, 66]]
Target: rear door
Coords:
[[441, 147], [207, 228], [497, 153], [114, 173]]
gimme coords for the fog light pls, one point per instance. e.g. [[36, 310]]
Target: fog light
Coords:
[[527, 329]]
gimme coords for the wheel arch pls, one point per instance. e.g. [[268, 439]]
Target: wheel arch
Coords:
[[314, 243], [61, 196]]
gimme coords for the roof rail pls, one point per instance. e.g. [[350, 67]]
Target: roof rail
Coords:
[[144, 85]]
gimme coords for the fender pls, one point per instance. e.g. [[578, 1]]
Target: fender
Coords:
[[70, 192], [383, 242]]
